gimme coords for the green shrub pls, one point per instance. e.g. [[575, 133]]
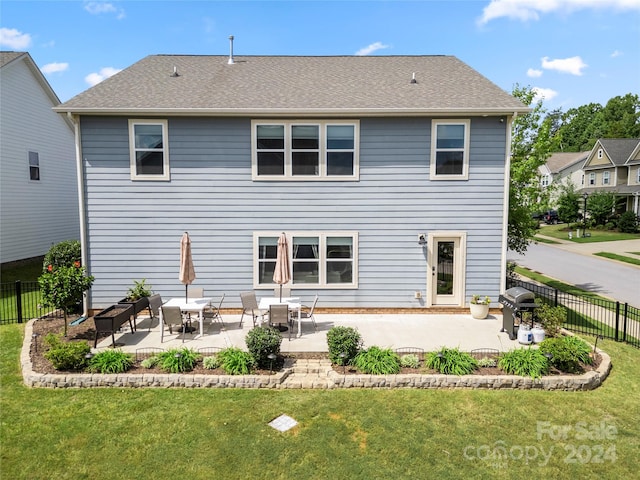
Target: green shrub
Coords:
[[410, 360], [377, 361], [262, 342], [346, 340], [178, 360], [66, 355], [62, 254], [551, 318], [451, 361], [526, 362], [211, 363], [628, 222], [111, 361], [150, 362], [487, 362], [567, 353], [235, 361]]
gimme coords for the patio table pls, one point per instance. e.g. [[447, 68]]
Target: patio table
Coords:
[[292, 302], [192, 305]]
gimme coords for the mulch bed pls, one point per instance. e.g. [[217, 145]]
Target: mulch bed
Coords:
[[54, 323]]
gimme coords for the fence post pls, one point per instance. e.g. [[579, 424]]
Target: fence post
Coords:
[[626, 315], [19, 300], [617, 320], [555, 298]]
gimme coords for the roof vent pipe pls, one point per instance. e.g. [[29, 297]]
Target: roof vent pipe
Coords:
[[413, 78], [230, 62]]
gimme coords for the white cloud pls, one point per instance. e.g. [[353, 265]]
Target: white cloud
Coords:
[[572, 65], [525, 10], [14, 39], [98, 8], [104, 73], [54, 67], [368, 50], [533, 73], [543, 94], [616, 53]]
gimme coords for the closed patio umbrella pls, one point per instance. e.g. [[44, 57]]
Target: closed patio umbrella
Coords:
[[187, 272], [281, 273]]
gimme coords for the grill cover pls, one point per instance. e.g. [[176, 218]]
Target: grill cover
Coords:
[[518, 295]]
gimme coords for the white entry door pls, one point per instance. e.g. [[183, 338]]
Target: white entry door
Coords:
[[447, 267]]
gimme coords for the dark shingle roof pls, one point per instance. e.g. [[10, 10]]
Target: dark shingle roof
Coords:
[[619, 149], [376, 85]]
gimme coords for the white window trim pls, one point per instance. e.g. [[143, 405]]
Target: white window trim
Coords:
[[600, 153], [322, 172], [592, 178], [38, 166], [322, 274], [165, 150], [606, 177], [465, 156], [638, 175]]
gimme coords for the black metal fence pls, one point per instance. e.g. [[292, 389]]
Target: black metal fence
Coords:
[[589, 315], [20, 302]]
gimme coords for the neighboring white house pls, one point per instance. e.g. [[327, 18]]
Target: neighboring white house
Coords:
[[561, 169], [39, 193]]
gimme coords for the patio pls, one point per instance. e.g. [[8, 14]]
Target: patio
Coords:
[[427, 331]]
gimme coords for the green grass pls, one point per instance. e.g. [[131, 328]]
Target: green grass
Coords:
[[545, 240], [121, 433], [620, 258], [561, 232]]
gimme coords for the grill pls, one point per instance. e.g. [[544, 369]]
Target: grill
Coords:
[[516, 301]]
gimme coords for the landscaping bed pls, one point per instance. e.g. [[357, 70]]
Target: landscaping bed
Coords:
[[85, 331]]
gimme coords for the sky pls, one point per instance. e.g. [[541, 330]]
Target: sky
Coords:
[[571, 52]]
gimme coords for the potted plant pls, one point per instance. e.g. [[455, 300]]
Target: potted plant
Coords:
[[479, 306], [138, 296]]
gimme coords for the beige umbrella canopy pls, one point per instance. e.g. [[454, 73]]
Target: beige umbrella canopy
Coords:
[[187, 272], [281, 273]]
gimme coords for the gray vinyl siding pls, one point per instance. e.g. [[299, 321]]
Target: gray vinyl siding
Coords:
[[134, 228], [34, 214]]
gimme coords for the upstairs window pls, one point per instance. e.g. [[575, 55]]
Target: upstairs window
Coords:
[[600, 153], [544, 180], [305, 150], [449, 150], [606, 177], [592, 178], [34, 166], [149, 149]]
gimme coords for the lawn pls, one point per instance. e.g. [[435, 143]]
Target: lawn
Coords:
[[561, 232], [193, 433]]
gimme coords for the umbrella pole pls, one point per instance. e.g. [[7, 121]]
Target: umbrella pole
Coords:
[[280, 293], [186, 293]]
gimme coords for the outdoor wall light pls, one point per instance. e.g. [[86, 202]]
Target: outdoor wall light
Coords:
[[422, 239]]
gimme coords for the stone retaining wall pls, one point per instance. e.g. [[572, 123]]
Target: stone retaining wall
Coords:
[[308, 374]]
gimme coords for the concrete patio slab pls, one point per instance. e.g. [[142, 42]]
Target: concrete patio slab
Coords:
[[427, 331]]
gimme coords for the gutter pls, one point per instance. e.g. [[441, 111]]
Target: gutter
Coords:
[[81, 206], [505, 212]]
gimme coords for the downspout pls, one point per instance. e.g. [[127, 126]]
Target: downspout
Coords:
[[505, 212], [81, 206]]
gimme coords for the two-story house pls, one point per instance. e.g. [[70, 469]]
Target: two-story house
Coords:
[[613, 165], [38, 185], [562, 169], [389, 175]]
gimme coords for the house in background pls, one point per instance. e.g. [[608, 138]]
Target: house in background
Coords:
[[613, 165], [562, 169], [39, 186], [389, 176]]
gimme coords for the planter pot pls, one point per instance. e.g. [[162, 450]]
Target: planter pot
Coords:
[[479, 310], [111, 319], [138, 305]]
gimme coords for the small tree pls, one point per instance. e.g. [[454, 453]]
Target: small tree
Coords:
[[569, 204], [62, 254], [62, 286], [628, 222], [601, 206]]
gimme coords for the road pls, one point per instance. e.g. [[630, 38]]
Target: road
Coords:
[[574, 264]]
